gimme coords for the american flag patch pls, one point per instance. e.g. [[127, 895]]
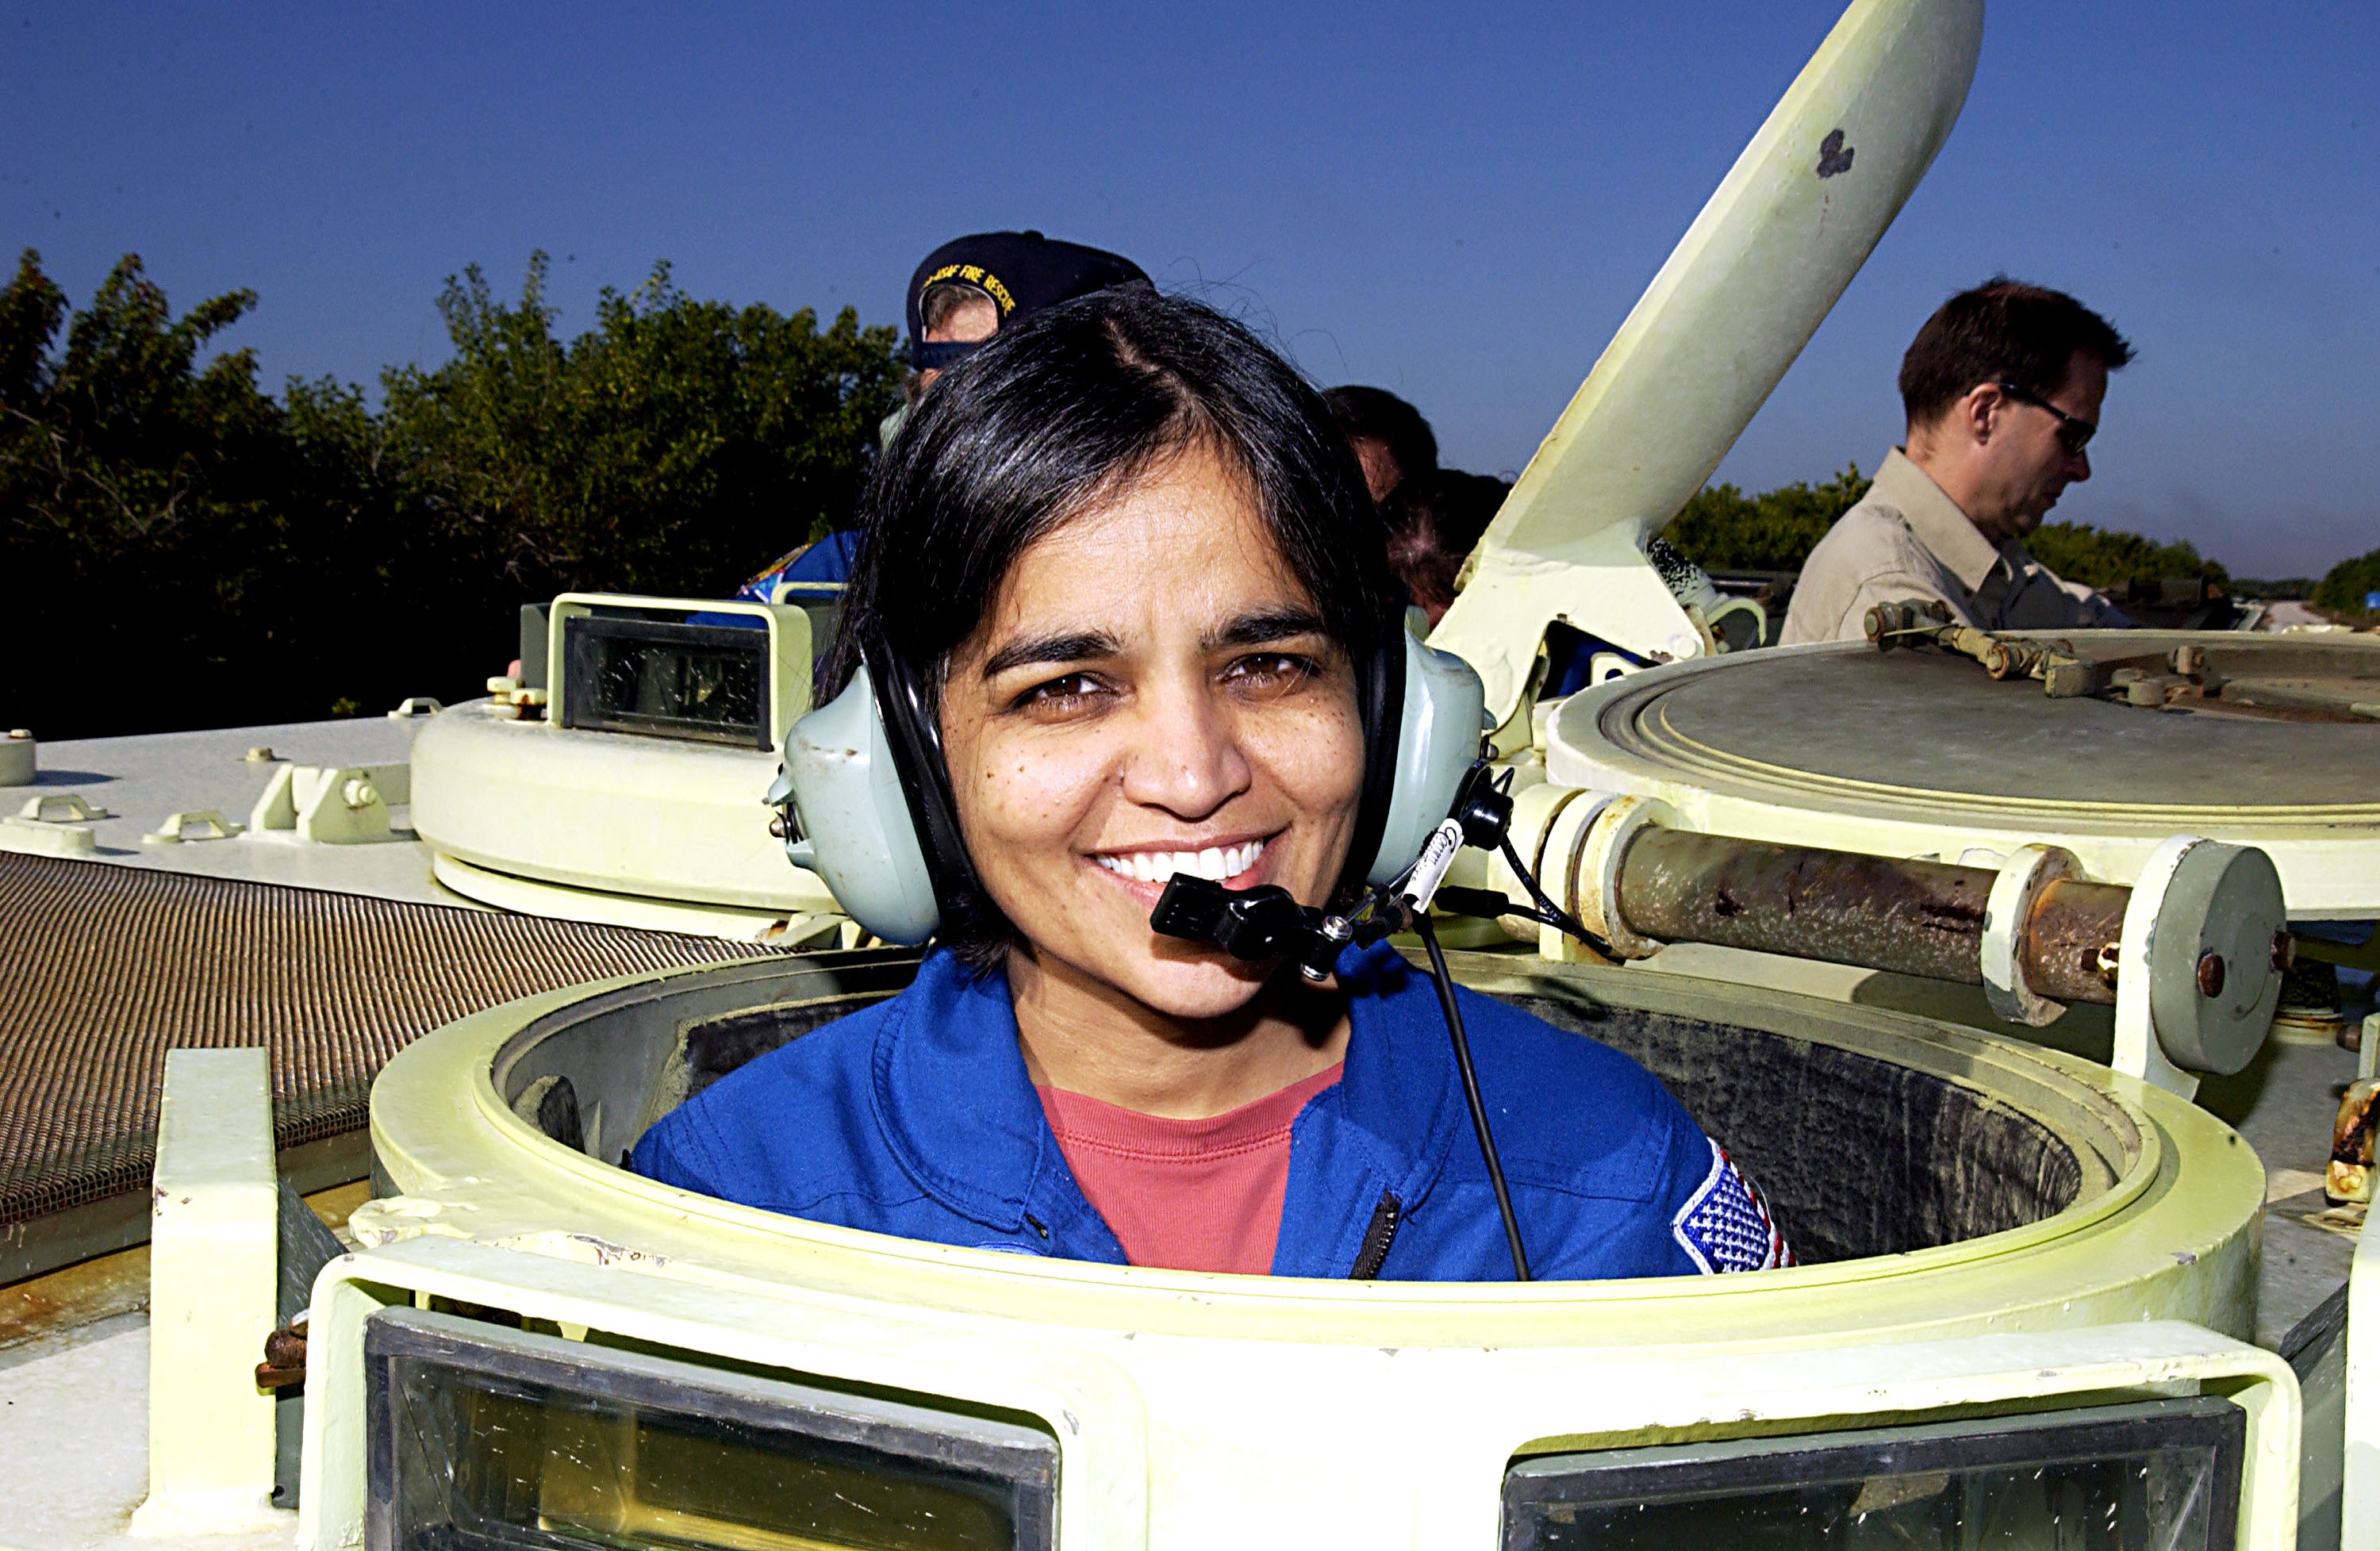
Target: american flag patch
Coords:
[[1725, 1226]]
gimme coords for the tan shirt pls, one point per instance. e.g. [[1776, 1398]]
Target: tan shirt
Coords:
[[1907, 540]]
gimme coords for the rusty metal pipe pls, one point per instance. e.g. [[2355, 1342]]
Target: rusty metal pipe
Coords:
[[2073, 931], [1910, 917]]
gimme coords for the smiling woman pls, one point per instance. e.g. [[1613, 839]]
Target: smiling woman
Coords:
[[1123, 605], [1100, 738]]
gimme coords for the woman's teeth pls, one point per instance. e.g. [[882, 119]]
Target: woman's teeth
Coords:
[[1217, 862]]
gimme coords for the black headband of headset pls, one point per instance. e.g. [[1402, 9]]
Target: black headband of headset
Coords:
[[913, 732], [1380, 703]]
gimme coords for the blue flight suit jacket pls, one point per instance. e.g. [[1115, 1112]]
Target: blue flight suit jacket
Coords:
[[915, 1117]]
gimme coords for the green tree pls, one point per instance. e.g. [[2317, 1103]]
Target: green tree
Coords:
[[2346, 585], [119, 453], [137, 493], [183, 550], [1723, 530], [675, 447], [2111, 561]]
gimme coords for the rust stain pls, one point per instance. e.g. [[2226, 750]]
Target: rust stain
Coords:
[[77, 1295]]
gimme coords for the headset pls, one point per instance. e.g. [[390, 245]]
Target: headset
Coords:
[[871, 812]]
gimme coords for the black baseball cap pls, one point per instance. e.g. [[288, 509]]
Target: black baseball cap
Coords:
[[1021, 272]]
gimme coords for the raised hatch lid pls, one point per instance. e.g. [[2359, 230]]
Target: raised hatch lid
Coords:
[[1922, 753]]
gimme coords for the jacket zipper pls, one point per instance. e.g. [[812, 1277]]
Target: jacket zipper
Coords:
[[1376, 1239]]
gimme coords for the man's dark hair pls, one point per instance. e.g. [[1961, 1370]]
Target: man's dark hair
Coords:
[[2003, 331], [1388, 419], [1055, 414], [1435, 521]]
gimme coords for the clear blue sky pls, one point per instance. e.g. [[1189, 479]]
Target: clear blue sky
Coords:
[[1457, 204]]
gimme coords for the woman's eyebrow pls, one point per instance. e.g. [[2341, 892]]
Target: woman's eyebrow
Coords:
[[1081, 645], [1255, 630]]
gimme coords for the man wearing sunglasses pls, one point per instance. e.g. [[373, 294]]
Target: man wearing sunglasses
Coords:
[[2002, 388]]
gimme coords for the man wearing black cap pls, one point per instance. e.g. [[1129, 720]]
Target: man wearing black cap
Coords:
[[965, 291], [968, 289]]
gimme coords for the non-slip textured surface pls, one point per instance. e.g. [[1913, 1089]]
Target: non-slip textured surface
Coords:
[[103, 969]]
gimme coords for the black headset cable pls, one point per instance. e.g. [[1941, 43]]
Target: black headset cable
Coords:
[[1445, 983], [1550, 913]]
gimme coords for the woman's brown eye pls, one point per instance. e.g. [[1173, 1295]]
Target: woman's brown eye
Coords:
[[1058, 696], [1271, 673]]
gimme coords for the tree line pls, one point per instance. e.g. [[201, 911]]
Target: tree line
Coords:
[[1723, 530], [182, 549]]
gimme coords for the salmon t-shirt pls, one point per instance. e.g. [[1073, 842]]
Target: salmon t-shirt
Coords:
[[1195, 1195]]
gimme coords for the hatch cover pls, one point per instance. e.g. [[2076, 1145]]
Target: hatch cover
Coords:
[[1925, 728]]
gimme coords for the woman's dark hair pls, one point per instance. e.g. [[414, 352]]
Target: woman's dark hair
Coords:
[[2003, 331], [1055, 412]]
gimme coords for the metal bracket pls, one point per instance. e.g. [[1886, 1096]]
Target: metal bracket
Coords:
[[1560, 853], [60, 807], [1599, 871], [2197, 980], [2137, 1051], [47, 826], [19, 758], [196, 824], [31, 837], [2021, 881], [342, 806]]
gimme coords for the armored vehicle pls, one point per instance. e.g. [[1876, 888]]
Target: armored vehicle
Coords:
[[1985, 1003]]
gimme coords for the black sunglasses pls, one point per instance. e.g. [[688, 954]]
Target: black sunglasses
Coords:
[[2072, 434]]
